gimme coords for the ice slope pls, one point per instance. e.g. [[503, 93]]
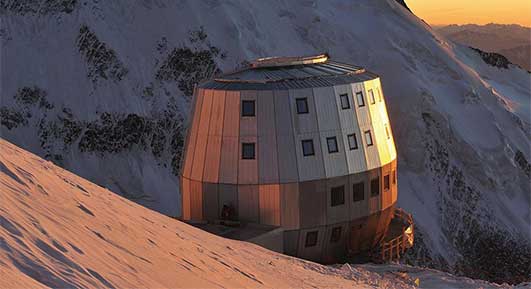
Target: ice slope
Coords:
[[115, 77], [61, 231]]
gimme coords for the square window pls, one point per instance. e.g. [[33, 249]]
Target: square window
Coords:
[[345, 104], [337, 195], [387, 184], [375, 187], [307, 147], [394, 177], [311, 239], [302, 105], [332, 144], [336, 235], [387, 132], [248, 151], [371, 96], [359, 96], [248, 108], [368, 138], [358, 192], [352, 141]]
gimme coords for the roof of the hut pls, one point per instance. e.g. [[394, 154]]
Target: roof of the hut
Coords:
[[289, 73]]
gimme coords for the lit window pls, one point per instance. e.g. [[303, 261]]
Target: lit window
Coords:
[[371, 96], [336, 235], [248, 108], [358, 192], [375, 187], [332, 144], [337, 195], [248, 151], [345, 104], [359, 96], [368, 138], [302, 105], [307, 147], [311, 239], [387, 132], [387, 185], [352, 141]]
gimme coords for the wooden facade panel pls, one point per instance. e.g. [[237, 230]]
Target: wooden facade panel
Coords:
[[192, 133], [326, 108], [248, 168], [267, 138], [335, 163], [228, 167], [185, 198], [310, 167], [269, 196], [312, 203], [338, 213], [334, 249], [374, 202], [303, 122], [228, 196], [218, 113], [360, 208], [196, 200], [212, 159], [347, 117], [290, 210], [312, 253], [287, 153], [356, 161], [210, 202], [248, 208], [248, 124], [362, 112], [202, 137], [231, 117], [291, 242], [394, 182], [387, 195]]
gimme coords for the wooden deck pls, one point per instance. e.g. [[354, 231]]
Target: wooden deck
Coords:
[[399, 238]]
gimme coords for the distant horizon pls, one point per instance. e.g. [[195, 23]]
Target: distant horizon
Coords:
[[492, 23]]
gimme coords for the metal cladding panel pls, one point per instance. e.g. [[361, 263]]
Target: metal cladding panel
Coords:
[[210, 202], [339, 213], [228, 195], [371, 229], [192, 134], [310, 167], [247, 168], [358, 240], [228, 167], [248, 124], [311, 253], [313, 203], [185, 193], [347, 117], [374, 202], [202, 137], [267, 138], [289, 205], [196, 200], [359, 209], [215, 132], [231, 117], [333, 251], [335, 163], [387, 195], [362, 113], [385, 119], [304, 122], [378, 117], [248, 198], [394, 182], [356, 159], [287, 153], [291, 242], [326, 107], [269, 204], [383, 222]]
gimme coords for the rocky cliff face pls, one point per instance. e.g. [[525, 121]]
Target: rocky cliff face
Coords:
[[103, 88]]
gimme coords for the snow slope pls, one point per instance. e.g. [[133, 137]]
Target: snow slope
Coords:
[[58, 230], [102, 88]]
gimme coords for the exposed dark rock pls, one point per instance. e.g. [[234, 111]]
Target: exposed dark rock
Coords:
[[40, 7], [492, 58], [11, 118], [403, 3], [522, 163]]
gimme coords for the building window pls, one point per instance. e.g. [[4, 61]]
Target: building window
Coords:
[[337, 195], [248, 151], [394, 177], [352, 141], [302, 105], [359, 96], [336, 235], [368, 138], [387, 132], [248, 108], [307, 147], [379, 94], [387, 184], [311, 239], [332, 144], [375, 187], [345, 104], [358, 192], [371, 96]]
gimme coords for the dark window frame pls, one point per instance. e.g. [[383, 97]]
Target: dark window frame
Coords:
[[372, 98], [311, 239], [332, 138], [346, 98], [387, 183], [244, 157], [355, 147], [373, 182], [337, 196], [304, 152], [394, 177], [369, 141], [387, 132], [355, 187], [360, 99], [335, 235], [305, 101], [244, 112]]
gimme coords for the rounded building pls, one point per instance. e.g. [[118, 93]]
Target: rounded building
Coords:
[[302, 143]]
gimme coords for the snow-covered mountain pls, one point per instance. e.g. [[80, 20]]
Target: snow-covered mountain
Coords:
[[58, 230], [103, 88]]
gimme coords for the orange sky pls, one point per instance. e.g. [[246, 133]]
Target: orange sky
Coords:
[[437, 12]]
